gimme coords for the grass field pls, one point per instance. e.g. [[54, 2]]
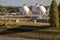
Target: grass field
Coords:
[[39, 30], [14, 18], [14, 24]]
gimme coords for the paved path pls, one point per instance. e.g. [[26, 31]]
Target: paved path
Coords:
[[16, 38]]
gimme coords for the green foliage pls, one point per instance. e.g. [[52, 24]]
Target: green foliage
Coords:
[[54, 15], [3, 9], [9, 9], [30, 8], [13, 9], [59, 9]]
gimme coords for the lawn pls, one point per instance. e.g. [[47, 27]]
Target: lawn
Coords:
[[39, 30], [16, 24], [12, 18]]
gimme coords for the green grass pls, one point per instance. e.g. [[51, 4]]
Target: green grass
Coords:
[[14, 18], [12, 24]]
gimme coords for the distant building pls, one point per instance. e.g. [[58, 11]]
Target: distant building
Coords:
[[39, 10], [21, 10], [43, 10], [36, 9], [26, 9]]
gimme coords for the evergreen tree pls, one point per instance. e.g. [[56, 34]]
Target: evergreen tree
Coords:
[[59, 9], [54, 20], [59, 13]]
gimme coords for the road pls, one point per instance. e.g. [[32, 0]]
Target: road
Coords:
[[14, 38]]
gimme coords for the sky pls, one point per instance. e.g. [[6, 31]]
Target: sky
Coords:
[[27, 2]]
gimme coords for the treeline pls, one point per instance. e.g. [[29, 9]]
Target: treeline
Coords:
[[59, 9], [9, 9]]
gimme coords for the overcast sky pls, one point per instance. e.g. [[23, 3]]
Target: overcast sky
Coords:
[[27, 2]]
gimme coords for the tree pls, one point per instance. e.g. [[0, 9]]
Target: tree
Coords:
[[59, 9], [59, 12], [54, 15]]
